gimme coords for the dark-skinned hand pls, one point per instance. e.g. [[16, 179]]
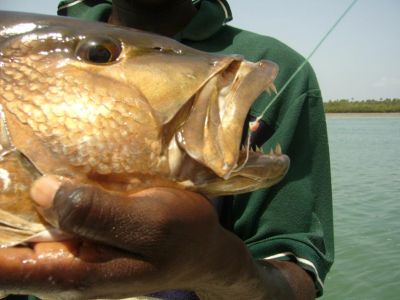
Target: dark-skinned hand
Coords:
[[156, 239]]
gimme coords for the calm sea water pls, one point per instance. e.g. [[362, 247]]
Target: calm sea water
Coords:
[[365, 159]]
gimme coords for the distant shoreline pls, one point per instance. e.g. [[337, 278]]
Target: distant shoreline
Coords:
[[364, 106]]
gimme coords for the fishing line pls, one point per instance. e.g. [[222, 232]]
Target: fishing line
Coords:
[[254, 125]]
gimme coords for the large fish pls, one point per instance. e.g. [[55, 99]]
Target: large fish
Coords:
[[121, 109]]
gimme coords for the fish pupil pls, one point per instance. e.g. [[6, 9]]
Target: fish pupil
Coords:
[[99, 54], [98, 50]]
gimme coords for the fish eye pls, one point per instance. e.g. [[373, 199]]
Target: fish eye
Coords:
[[98, 50]]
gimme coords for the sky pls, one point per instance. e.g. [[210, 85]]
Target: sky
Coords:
[[359, 60]]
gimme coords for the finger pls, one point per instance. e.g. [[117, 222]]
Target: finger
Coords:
[[125, 222], [71, 270]]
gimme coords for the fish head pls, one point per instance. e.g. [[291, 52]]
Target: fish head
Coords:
[[112, 100]]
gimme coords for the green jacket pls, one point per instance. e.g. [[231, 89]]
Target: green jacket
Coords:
[[293, 220]]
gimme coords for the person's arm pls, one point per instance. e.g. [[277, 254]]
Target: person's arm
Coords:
[[161, 239]]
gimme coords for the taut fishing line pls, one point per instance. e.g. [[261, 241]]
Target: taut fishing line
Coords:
[[254, 124]]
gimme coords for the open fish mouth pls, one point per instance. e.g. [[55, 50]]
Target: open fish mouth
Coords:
[[213, 127], [212, 130]]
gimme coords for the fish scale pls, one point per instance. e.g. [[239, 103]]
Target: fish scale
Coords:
[[59, 115]]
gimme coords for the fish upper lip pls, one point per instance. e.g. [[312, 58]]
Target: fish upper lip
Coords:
[[237, 69]]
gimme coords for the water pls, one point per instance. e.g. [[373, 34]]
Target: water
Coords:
[[365, 158]]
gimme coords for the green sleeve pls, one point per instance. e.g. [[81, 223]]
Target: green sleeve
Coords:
[[93, 10]]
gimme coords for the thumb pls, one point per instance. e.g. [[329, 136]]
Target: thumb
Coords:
[[81, 210], [44, 189]]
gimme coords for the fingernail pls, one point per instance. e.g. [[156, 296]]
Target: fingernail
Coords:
[[44, 189]]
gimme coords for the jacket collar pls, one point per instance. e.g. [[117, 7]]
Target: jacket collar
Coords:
[[210, 17]]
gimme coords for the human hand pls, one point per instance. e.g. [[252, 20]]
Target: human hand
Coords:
[[153, 240]]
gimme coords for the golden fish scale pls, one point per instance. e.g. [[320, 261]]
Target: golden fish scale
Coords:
[[91, 124]]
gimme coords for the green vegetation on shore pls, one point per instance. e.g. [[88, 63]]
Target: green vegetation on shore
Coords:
[[364, 106]]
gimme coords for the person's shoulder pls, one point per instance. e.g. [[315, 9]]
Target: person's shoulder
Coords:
[[255, 46], [261, 45]]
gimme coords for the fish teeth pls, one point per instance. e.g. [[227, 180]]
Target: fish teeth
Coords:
[[271, 152], [278, 149], [276, 152], [271, 89]]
